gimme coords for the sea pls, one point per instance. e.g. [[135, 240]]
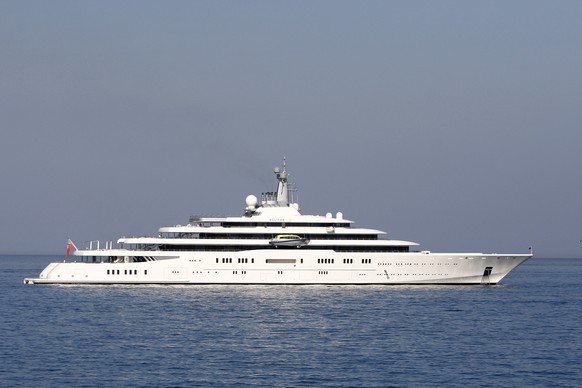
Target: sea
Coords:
[[524, 332]]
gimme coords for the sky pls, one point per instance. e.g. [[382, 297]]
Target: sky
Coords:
[[454, 124]]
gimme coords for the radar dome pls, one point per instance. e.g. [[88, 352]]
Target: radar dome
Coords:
[[251, 201]]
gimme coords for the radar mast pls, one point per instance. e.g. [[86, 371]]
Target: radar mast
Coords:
[[282, 186]]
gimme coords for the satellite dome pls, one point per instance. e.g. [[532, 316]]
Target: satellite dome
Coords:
[[251, 201]]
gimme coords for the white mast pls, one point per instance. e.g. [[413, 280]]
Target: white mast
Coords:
[[282, 190]]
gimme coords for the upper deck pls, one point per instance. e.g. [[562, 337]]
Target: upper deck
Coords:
[[261, 222]]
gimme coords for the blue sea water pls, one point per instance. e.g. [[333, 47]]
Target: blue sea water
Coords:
[[525, 332]]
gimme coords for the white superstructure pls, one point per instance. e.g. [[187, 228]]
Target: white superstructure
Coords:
[[273, 243]]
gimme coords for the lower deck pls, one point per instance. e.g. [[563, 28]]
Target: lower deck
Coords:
[[282, 267]]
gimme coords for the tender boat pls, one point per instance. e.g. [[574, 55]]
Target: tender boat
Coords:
[[243, 250], [289, 240]]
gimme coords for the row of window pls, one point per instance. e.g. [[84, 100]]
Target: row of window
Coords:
[[268, 236], [345, 224], [125, 272], [228, 260], [242, 248], [244, 260], [346, 261], [420, 263]]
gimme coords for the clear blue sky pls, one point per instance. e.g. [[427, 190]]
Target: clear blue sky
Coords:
[[455, 124]]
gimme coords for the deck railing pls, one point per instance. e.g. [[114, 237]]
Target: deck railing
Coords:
[[95, 245]]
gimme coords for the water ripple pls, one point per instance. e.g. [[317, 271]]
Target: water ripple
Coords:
[[522, 333]]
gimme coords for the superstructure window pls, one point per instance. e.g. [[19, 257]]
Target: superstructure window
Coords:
[[251, 236], [281, 224], [312, 246]]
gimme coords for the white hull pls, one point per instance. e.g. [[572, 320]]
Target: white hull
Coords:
[[287, 267]]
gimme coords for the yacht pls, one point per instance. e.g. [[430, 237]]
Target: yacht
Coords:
[[272, 243]]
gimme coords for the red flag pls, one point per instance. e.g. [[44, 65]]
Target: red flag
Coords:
[[70, 247]]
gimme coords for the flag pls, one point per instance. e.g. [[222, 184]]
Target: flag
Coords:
[[70, 247]]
